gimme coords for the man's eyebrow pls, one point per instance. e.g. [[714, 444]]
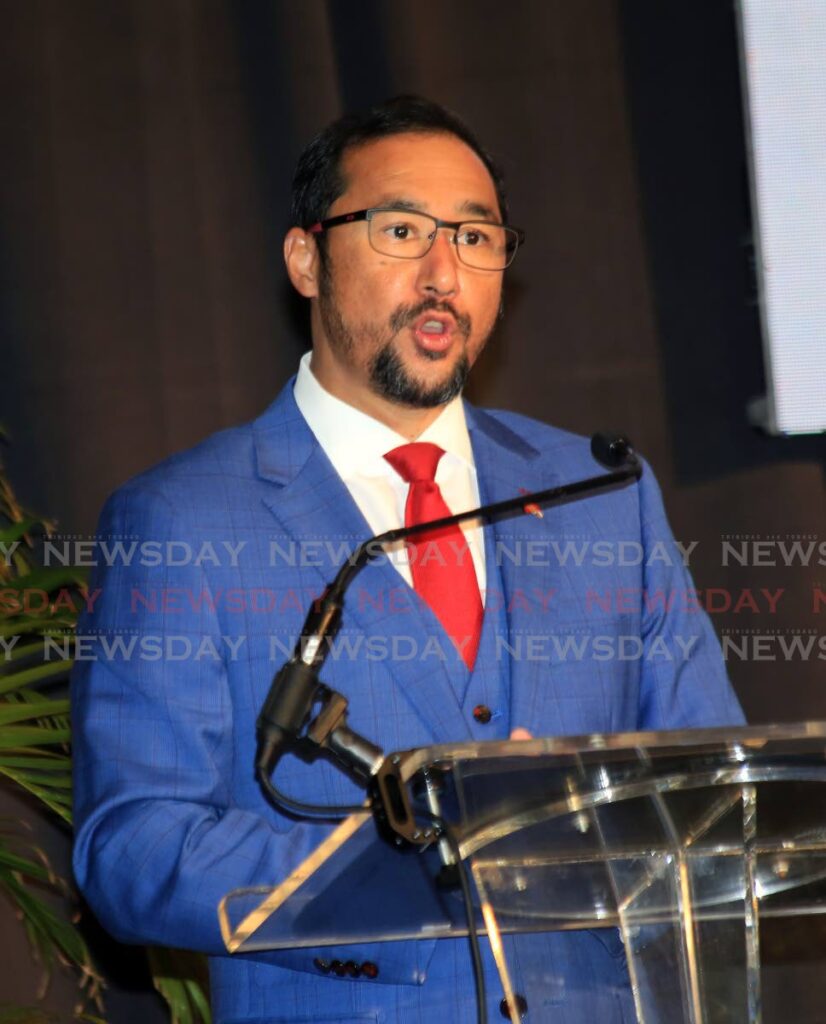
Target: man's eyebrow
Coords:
[[479, 210], [469, 206], [401, 203]]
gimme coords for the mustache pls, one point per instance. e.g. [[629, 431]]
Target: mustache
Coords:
[[404, 316]]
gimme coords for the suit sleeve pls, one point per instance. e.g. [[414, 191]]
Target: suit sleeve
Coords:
[[158, 839], [684, 680]]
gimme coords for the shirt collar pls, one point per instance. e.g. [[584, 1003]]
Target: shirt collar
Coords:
[[356, 443]]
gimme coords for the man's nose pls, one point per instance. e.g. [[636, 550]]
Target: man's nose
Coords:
[[439, 268]]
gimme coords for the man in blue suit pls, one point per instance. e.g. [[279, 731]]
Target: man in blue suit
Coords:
[[581, 620]]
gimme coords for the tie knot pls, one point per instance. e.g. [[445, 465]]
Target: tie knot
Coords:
[[416, 462]]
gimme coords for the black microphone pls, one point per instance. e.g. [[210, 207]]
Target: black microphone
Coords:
[[296, 687], [612, 450]]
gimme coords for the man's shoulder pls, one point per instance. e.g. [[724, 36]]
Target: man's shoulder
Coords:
[[221, 464], [212, 463], [562, 447]]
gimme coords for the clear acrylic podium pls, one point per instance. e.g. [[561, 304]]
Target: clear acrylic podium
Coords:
[[691, 843]]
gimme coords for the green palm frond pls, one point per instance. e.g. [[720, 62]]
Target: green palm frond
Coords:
[[34, 723], [39, 606], [181, 978], [40, 896], [25, 1015], [46, 578], [37, 603], [45, 672]]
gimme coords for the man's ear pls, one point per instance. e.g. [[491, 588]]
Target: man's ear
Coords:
[[302, 258]]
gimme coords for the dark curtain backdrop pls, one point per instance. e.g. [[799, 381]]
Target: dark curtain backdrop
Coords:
[[148, 149]]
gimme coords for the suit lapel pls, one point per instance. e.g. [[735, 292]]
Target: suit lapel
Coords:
[[309, 501], [317, 514], [506, 466]]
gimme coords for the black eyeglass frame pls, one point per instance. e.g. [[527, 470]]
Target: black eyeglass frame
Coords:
[[358, 215]]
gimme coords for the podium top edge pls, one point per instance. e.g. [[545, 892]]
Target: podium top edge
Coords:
[[750, 737]]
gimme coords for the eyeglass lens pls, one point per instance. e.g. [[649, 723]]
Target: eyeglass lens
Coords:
[[410, 236]]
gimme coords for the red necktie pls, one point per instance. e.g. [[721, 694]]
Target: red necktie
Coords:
[[440, 560]]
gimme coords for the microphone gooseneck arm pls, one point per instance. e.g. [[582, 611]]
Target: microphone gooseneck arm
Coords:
[[284, 719], [613, 451]]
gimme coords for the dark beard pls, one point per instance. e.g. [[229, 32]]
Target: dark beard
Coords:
[[389, 379]]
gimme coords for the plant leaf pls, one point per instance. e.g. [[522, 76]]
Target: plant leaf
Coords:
[[52, 934], [48, 671], [48, 578], [181, 978], [9, 534], [44, 761], [24, 711], [13, 737]]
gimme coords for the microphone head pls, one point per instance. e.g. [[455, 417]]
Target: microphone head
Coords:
[[612, 450]]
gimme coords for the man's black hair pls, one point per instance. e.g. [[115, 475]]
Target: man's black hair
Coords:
[[318, 179]]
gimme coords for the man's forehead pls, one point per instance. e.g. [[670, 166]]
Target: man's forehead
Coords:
[[416, 170]]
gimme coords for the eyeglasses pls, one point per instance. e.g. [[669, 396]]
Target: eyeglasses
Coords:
[[409, 235]]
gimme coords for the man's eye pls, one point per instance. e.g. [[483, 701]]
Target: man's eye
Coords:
[[402, 231], [473, 236]]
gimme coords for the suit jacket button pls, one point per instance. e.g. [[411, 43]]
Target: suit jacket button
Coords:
[[521, 1006], [352, 968], [338, 968], [482, 714], [322, 965], [369, 969]]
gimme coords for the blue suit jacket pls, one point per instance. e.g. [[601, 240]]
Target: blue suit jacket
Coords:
[[165, 695]]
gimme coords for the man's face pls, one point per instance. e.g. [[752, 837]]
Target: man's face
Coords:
[[405, 331]]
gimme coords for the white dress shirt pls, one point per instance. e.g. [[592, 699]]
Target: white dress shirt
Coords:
[[356, 443]]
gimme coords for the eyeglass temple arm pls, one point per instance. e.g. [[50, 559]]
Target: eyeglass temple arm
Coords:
[[331, 222]]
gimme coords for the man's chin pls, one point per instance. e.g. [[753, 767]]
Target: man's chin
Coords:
[[391, 379]]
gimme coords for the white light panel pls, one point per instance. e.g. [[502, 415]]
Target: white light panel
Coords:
[[784, 74]]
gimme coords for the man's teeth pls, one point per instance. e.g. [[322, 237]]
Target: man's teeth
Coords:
[[433, 327]]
